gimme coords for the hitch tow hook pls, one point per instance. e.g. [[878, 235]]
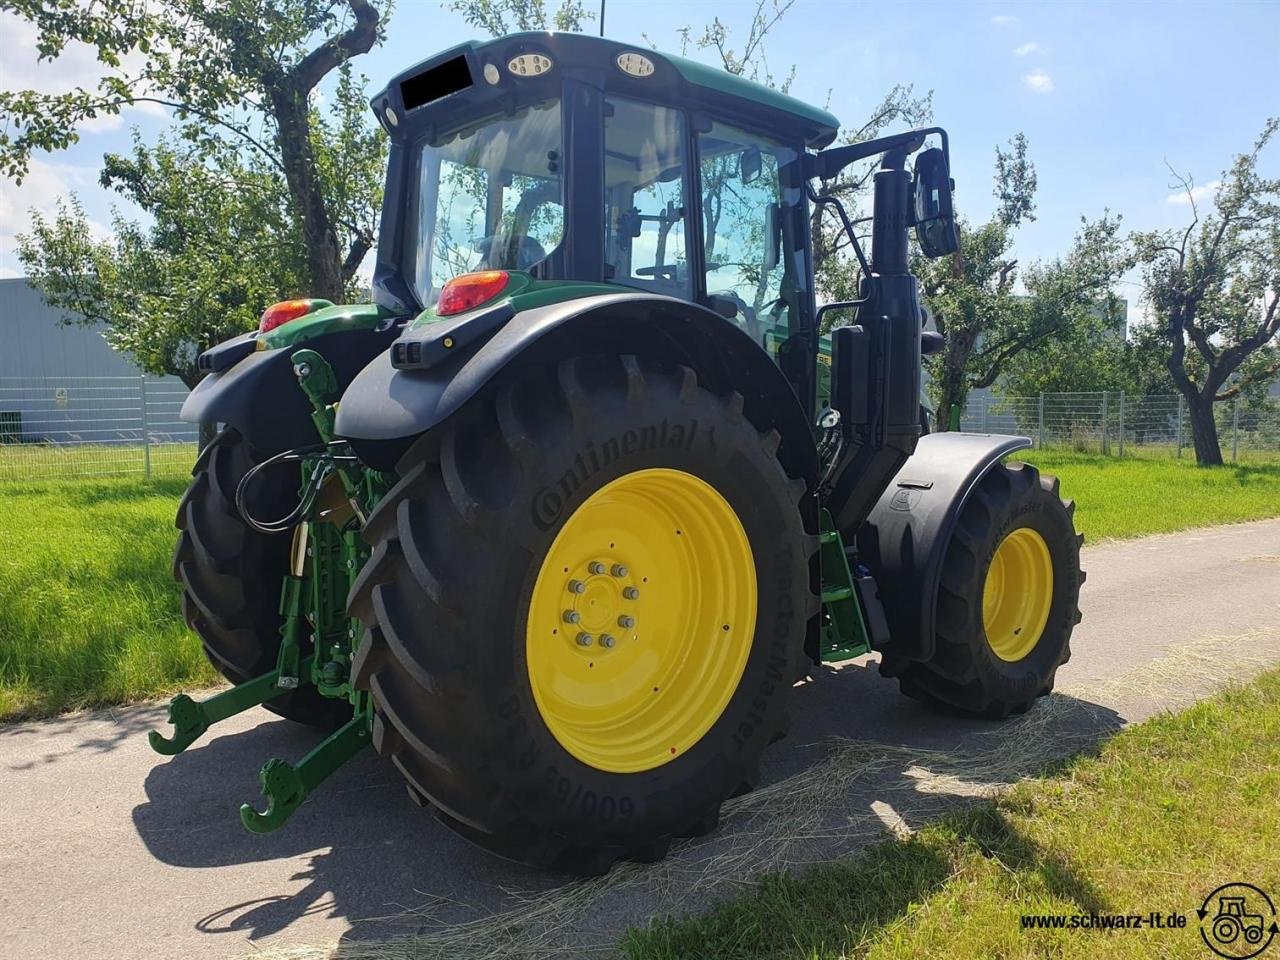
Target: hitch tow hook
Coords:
[[286, 785]]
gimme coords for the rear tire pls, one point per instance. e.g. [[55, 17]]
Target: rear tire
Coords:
[[459, 571], [232, 574], [983, 662]]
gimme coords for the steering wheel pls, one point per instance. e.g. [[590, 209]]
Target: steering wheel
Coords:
[[528, 251], [670, 273]]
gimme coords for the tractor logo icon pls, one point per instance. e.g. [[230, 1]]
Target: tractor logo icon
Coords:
[[1237, 921]]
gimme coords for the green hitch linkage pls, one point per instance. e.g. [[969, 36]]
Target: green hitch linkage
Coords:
[[191, 719], [285, 785]]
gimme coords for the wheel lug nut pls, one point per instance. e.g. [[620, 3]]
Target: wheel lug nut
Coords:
[[584, 639], [571, 616], [596, 567], [619, 571], [631, 593], [606, 640], [626, 622], [577, 586]]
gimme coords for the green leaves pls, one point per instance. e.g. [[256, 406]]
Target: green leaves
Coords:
[[221, 248], [255, 195], [1214, 285], [500, 17]]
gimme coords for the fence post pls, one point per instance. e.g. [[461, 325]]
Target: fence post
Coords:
[[1179, 426], [984, 414], [1121, 423], [1041, 419], [1235, 429], [146, 431], [1106, 416]]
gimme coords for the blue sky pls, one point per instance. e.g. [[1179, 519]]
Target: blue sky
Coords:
[[1105, 92]]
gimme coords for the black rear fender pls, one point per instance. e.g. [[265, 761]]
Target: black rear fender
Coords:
[[260, 397], [906, 535], [386, 407]]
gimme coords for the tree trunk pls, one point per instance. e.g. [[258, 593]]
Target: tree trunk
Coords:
[[953, 381], [1204, 431], [324, 259]]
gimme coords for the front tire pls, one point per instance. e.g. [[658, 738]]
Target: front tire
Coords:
[[629, 499], [1008, 599]]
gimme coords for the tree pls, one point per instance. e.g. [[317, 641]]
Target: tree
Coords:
[[971, 293], [1215, 286], [221, 243], [235, 68], [987, 324], [500, 17], [199, 275]]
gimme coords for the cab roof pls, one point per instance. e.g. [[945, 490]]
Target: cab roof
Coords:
[[493, 65]]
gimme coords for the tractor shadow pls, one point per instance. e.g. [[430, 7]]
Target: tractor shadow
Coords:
[[861, 761]]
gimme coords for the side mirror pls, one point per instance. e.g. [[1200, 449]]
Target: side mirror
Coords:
[[749, 165], [934, 215]]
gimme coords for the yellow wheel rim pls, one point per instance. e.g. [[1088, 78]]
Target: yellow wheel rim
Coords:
[[641, 620], [1017, 594]]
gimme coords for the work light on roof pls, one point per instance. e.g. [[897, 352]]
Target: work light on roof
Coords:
[[635, 64], [529, 65]]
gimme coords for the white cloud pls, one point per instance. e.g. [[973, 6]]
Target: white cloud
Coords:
[[1028, 48], [41, 189], [1003, 20], [76, 66], [1197, 194], [1039, 81]]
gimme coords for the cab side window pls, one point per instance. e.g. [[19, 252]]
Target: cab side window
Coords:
[[645, 197], [744, 207]]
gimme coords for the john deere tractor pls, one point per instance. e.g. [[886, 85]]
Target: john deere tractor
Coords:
[[559, 519]]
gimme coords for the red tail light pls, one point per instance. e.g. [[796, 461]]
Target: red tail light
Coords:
[[470, 290], [283, 312]]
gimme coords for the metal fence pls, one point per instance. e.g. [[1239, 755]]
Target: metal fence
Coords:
[[93, 426], [102, 426], [1113, 423]]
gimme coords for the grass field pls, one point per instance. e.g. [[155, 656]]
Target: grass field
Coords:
[[25, 461], [1167, 811], [88, 611], [89, 614], [1136, 497]]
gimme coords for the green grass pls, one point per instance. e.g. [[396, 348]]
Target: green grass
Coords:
[[1135, 497], [88, 611], [1168, 810], [20, 461]]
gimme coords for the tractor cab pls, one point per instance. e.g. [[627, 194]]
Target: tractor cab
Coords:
[[575, 158]]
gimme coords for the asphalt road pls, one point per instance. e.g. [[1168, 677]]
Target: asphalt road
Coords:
[[110, 851]]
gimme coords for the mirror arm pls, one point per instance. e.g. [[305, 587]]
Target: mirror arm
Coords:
[[828, 163]]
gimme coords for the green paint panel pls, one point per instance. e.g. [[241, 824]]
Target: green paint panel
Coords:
[[721, 81], [352, 316]]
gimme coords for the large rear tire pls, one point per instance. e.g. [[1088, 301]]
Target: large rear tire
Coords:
[[1008, 599], [231, 574], [602, 496]]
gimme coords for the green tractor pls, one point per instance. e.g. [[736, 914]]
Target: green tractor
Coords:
[[557, 522]]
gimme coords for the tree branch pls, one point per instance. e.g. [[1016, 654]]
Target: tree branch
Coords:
[[357, 39]]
